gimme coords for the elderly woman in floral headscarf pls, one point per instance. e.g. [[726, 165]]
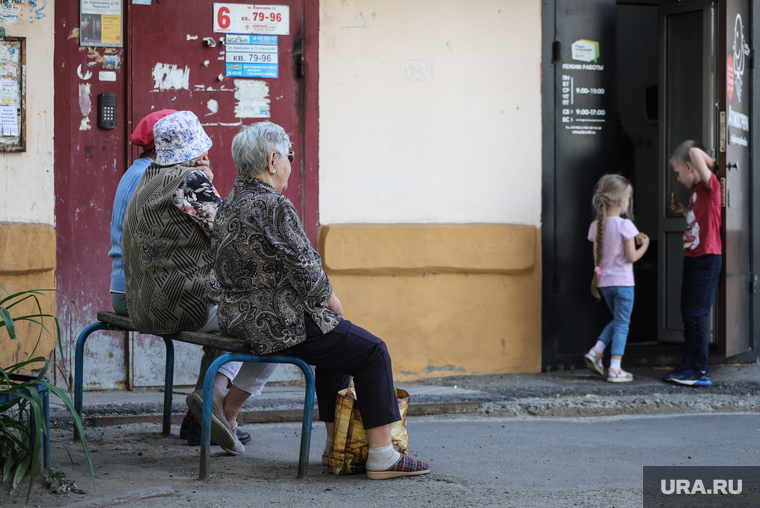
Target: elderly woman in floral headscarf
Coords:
[[277, 297], [167, 251]]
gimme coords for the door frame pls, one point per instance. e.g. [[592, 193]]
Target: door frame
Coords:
[[710, 60]]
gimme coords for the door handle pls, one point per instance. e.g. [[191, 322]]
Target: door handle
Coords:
[[730, 165]]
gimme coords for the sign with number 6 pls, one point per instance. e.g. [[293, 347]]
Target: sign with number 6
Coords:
[[252, 19]]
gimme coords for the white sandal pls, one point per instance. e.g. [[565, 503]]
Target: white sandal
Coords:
[[618, 376], [594, 363]]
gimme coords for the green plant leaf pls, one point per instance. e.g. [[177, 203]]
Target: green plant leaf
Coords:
[[8, 323], [77, 424]]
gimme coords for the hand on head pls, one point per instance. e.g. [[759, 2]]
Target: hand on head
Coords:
[[204, 165]]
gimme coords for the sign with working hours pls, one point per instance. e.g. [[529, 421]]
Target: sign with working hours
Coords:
[[252, 19]]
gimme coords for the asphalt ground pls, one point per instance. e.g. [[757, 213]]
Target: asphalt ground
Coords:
[[475, 461]]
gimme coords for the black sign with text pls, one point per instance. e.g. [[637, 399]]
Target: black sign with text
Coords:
[[584, 112]]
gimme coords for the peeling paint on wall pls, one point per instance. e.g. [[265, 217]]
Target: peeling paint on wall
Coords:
[[85, 106], [168, 76], [213, 106], [252, 99], [418, 71], [192, 37], [83, 75], [37, 11]]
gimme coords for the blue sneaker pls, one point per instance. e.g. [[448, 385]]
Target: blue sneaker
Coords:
[[704, 380], [675, 373], [691, 377]]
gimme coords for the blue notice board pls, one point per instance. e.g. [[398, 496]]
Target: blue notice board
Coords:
[[251, 56]]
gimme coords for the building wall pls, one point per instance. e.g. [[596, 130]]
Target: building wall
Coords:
[[430, 131], [27, 234]]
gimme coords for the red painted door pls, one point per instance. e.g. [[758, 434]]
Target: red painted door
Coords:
[[180, 64], [165, 64]]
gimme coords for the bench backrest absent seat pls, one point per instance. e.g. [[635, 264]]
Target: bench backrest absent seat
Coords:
[[239, 352]]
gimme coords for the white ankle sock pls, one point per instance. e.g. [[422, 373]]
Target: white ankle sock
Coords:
[[615, 363], [382, 458], [600, 345], [328, 447]]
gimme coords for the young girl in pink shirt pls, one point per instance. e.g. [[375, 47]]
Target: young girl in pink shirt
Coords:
[[615, 252]]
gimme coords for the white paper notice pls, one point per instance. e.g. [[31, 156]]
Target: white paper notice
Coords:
[[9, 95], [9, 120]]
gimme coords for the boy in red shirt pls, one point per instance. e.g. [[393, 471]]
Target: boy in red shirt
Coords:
[[702, 258]]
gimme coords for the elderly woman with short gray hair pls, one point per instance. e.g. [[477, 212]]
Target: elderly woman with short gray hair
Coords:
[[275, 295]]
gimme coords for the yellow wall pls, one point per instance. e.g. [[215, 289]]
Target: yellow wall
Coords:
[[447, 299], [27, 207], [27, 261]]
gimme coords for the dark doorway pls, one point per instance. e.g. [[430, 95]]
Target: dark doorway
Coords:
[[638, 148], [669, 83]]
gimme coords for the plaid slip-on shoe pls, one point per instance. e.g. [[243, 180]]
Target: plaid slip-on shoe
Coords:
[[406, 466]]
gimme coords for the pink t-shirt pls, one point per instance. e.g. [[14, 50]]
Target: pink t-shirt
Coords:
[[616, 270]]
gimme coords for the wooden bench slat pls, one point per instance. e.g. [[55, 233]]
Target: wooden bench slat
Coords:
[[201, 339]]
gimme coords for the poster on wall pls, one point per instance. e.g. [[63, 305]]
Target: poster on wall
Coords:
[[100, 23], [252, 19], [251, 56]]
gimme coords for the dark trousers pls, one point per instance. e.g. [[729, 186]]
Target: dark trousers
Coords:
[[345, 351], [700, 280]]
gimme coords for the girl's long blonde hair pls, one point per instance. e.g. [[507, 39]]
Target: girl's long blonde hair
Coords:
[[610, 189]]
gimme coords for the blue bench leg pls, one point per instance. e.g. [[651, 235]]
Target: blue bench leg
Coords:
[[79, 364], [308, 417], [208, 390], [308, 411], [168, 386]]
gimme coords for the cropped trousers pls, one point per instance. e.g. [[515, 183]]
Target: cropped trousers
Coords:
[[345, 351]]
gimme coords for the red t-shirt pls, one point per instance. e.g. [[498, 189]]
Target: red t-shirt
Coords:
[[702, 234]]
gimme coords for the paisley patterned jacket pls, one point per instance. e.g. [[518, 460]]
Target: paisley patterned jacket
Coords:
[[268, 271]]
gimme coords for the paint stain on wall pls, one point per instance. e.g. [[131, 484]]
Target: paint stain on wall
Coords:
[[85, 106], [417, 71], [252, 98], [213, 106], [36, 8], [168, 76]]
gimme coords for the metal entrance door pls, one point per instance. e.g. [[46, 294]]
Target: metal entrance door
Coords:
[[178, 62], [687, 105], [736, 86]]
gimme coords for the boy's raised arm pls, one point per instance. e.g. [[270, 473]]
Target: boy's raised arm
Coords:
[[703, 164]]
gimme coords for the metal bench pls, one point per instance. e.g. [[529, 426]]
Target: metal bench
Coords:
[[238, 349]]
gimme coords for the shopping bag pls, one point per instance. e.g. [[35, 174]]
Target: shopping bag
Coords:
[[350, 447]]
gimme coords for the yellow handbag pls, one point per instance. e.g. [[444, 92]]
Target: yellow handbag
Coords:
[[350, 448]]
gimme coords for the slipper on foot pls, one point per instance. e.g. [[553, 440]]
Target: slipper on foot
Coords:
[[406, 466], [221, 432]]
